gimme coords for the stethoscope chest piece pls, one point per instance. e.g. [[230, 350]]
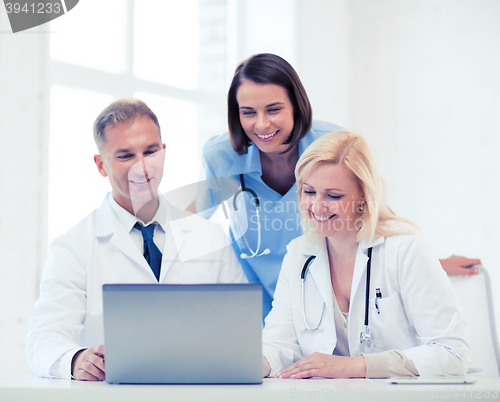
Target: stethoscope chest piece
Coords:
[[365, 337]]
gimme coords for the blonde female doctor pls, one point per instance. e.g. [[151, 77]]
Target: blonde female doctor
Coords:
[[360, 294]]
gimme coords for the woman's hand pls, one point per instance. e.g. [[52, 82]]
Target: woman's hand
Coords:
[[456, 265], [327, 366]]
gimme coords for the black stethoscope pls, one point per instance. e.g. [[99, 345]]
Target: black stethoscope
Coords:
[[259, 227], [365, 336]]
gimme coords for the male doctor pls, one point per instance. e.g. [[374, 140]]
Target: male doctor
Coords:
[[135, 236]]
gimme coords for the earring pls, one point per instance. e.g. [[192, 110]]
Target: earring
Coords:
[[361, 207]]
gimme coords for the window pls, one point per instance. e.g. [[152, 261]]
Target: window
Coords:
[[169, 53]]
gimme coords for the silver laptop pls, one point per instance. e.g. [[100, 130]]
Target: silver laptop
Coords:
[[178, 334]]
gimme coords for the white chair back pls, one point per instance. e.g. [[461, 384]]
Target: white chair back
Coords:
[[476, 302]]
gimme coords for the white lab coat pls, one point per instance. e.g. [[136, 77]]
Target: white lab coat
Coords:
[[419, 313], [99, 250]]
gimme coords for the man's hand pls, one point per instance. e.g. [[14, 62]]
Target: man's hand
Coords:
[[88, 365], [456, 265]]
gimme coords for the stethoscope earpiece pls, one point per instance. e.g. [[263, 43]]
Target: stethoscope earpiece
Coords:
[[365, 337]]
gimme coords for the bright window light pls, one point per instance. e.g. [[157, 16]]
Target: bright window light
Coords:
[[166, 42], [93, 37], [75, 185], [122, 48], [178, 122]]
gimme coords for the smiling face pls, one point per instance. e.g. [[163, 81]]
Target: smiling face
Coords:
[[133, 160], [331, 198], [266, 115]]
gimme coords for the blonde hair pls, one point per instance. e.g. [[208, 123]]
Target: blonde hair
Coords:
[[351, 150]]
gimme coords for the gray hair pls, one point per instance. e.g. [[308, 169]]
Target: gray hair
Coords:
[[120, 111]]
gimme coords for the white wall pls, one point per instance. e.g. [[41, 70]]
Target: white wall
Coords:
[[324, 58], [263, 26], [425, 92], [419, 79], [23, 190]]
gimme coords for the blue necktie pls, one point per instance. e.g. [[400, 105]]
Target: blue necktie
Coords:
[[151, 252]]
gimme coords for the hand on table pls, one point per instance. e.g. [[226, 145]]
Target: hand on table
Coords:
[[456, 265], [266, 369], [327, 366], [88, 365]]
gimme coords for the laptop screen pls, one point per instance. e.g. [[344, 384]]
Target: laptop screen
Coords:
[[183, 333]]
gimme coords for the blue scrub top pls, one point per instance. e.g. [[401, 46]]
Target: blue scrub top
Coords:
[[280, 217]]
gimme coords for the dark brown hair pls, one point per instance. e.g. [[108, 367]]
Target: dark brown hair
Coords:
[[120, 111], [267, 68]]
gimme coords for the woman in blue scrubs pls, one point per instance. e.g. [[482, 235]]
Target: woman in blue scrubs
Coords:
[[270, 125], [270, 121]]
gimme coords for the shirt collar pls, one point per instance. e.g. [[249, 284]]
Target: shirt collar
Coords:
[[128, 220], [247, 163], [305, 142], [309, 247], [365, 244]]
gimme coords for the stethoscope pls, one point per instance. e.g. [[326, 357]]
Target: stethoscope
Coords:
[[365, 336], [259, 227]]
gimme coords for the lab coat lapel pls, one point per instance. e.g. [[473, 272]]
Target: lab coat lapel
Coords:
[[320, 273], [358, 291], [173, 238], [177, 231], [170, 249], [123, 242], [193, 236], [359, 275], [107, 225]]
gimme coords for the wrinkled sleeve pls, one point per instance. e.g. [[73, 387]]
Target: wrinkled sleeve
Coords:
[[280, 344], [391, 363], [57, 321], [432, 309]]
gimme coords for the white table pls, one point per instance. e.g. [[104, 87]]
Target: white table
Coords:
[[13, 389]]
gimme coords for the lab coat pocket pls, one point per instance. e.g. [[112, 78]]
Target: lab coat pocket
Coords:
[[389, 324]]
